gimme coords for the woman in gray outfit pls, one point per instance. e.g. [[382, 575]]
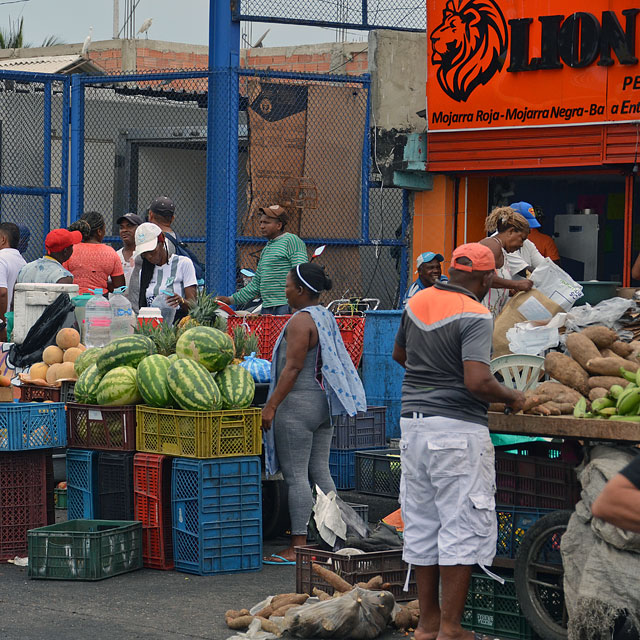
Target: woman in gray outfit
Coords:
[[298, 406]]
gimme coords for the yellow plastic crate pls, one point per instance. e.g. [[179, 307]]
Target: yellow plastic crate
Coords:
[[199, 434]]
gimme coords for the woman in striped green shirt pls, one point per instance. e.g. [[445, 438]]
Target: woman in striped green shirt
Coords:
[[283, 252]]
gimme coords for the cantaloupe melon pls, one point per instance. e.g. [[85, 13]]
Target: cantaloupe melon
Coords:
[[82, 347], [66, 371], [38, 371], [67, 338], [71, 354], [52, 355], [52, 373]]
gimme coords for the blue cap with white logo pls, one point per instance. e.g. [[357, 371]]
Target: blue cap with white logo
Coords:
[[526, 210], [428, 256]]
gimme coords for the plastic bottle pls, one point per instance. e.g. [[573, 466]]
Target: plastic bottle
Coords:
[[168, 312], [122, 317], [97, 318]]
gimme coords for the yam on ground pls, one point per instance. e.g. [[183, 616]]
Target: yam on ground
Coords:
[[280, 611], [623, 349], [375, 584], [581, 348], [597, 392], [564, 369], [601, 336], [331, 578], [320, 594], [240, 623], [605, 366], [403, 618], [232, 613], [269, 627], [606, 382], [623, 362]]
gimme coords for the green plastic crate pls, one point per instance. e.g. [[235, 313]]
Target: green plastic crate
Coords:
[[85, 549], [493, 608], [60, 498]]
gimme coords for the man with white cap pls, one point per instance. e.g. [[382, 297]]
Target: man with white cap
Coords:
[[161, 271], [429, 270]]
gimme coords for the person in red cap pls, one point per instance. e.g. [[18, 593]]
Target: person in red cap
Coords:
[[48, 269], [448, 477]]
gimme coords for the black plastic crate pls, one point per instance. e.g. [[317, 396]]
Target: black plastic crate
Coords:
[[115, 485], [67, 393], [365, 430], [378, 472]]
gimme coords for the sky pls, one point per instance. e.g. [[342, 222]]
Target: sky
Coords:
[[173, 20]]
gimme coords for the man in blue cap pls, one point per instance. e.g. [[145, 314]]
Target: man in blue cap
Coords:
[[527, 257], [429, 270]]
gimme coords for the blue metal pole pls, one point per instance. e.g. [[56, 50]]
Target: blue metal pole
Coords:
[[46, 160], [366, 166], [77, 148], [222, 148], [64, 173]]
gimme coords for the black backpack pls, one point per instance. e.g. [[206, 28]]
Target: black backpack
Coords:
[[181, 249]]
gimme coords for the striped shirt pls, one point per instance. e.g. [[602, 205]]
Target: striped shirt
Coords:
[[442, 327], [276, 260]]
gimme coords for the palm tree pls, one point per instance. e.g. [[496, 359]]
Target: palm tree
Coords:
[[13, 37]]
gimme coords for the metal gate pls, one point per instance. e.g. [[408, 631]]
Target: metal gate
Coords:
[[34, 157]]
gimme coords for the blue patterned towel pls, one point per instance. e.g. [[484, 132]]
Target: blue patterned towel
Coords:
[[341, 382]]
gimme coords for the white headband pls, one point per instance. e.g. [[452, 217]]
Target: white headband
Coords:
[[304, 282]]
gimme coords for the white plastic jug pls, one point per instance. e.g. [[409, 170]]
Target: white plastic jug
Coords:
[[97, 321], [122, 316]]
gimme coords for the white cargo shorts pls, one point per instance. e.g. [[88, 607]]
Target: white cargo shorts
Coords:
[[447, 492]]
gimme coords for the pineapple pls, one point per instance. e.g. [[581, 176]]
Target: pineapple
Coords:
[[203, 309], [245, 343], [163, 336]]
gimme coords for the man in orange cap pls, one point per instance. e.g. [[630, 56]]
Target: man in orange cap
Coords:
[[448, 476], [48, 269]]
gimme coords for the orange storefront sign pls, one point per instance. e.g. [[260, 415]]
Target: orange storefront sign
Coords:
[[509, 63]]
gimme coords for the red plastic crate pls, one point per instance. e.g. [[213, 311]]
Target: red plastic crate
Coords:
[[152, 507], [540, 475], [23, 503], [96, 427], [37, 393], [268, 328]]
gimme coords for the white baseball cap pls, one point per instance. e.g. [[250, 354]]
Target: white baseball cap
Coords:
[[146, 238]]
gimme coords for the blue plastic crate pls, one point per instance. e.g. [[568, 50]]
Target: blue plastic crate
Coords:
[[342, 465], [32, 425], [217, 515], [513, 523], [82, 484]]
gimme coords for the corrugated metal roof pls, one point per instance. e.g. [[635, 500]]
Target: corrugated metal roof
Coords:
[[52, 64]]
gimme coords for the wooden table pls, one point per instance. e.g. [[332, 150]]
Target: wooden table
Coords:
[[565, 427]]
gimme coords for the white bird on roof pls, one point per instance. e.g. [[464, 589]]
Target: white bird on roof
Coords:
[[144, 27], [87, 42]]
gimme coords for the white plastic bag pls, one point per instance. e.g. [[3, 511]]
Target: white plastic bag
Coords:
[[607, 312], [556, 284]]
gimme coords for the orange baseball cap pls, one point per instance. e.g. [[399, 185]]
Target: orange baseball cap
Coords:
[[481, 257]]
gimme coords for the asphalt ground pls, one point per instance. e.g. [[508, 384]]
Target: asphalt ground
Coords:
[[143, 604]]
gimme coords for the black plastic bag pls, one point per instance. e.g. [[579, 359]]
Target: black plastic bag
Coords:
[[43, 333]]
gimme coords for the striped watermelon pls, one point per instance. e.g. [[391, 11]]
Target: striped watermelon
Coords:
[[86, 359], [237, 387], [86, 388], [210, 347], [173, 357], [125, 352], [193, 387], [118, 388], [152, 380]]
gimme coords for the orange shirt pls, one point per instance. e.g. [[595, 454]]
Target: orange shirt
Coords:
[[544, 244], [92, 264]]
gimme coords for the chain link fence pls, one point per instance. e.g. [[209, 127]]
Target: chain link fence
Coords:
[[33, 159], [342, 14], [303, 141]]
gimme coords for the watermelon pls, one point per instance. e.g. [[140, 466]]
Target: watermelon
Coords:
[[125, 352], [86, 359], [212, 348], [152, 380], [118, 387], [237, 387], [86, 388], [173, 357], [193, 387]]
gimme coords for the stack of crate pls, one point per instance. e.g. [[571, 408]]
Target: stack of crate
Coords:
[[28, 433], [207, 463], [364, 431]]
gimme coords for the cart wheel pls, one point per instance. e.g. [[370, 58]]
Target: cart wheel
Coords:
[[539, 574], [275, 509]]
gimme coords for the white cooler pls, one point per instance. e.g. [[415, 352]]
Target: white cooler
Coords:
[[30, 300]]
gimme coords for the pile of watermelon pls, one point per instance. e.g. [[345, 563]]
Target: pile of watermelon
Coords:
[[198, 377]]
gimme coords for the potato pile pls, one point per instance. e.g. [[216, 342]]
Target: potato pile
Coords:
[[58, 360], [599, 377]]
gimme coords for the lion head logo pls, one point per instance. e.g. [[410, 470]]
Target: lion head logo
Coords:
[[469, 46]]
